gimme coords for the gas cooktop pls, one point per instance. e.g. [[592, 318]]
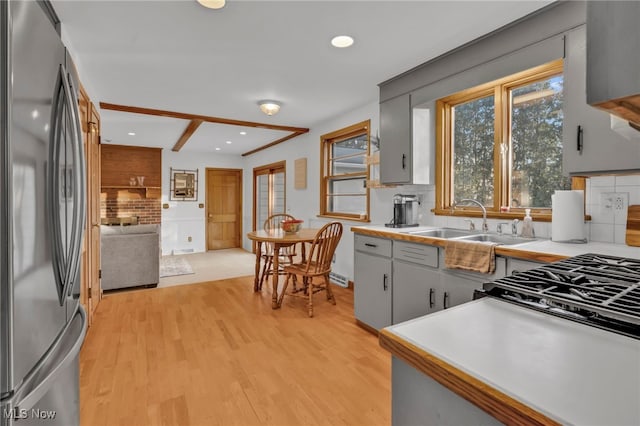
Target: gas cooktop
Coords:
[[598, 290]]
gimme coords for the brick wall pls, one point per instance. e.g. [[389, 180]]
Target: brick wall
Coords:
[[127, 203]]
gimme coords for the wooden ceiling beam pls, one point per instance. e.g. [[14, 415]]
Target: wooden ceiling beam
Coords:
[[188, 132], [207, 118], [276, 142]]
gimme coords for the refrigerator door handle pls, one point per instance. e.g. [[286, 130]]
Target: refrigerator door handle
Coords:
[[60, 356], [54, 188], [79, 187]]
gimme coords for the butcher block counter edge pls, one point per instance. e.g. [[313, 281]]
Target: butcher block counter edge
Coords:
[[492, 401], [542, 250]]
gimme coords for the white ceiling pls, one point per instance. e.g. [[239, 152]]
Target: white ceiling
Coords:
[[179, 56]]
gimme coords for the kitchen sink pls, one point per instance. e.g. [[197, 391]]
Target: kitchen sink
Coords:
[[443, 233], [496, 238]]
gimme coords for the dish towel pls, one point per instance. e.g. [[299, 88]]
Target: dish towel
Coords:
[[470, 256]]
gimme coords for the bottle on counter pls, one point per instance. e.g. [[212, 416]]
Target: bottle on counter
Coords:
[[527, 225]]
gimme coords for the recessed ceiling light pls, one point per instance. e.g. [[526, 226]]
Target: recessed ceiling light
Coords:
[[228, 142], [217, 148], [243, 133], [35, 114], [342, 41], [131, 133], [212, 4]]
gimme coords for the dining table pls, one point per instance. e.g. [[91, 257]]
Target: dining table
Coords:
[[277, 238]]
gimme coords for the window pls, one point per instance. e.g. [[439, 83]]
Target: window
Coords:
[[344, 173], [269, 194], [501, 143]]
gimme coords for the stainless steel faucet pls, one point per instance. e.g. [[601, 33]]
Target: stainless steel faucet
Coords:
[[499, 227], [514, 227], [485, 226]]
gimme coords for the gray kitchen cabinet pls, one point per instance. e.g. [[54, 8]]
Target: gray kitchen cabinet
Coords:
[[417, 290], [419, 399], [458, 285], [589, 144], [395, 140], [372, 281], [613, 63], [405, 134]]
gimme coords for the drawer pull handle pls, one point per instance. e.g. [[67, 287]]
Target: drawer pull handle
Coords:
[[432, 294], [370, 245], [445, 300], [385, 286]]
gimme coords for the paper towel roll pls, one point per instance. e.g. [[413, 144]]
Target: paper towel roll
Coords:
[[567, 217]]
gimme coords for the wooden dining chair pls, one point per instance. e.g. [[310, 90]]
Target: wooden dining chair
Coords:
[[317, 265], [286, 253]]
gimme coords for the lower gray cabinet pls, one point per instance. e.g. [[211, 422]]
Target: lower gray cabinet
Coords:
[[372, 281], [417, 291], [458, 286]]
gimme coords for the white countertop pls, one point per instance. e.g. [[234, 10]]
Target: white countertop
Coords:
[[570, 372], [542, 245]]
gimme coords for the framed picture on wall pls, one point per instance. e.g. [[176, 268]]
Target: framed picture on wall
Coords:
[[184, 185]]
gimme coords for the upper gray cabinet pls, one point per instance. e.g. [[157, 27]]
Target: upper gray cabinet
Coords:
[[589, 144], [613, 59], [405, 133], [395, 140]]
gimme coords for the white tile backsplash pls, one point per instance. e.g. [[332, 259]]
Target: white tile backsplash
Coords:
[[631, 180], [620, 233], [608, 223], [602, 232], [597, 181]]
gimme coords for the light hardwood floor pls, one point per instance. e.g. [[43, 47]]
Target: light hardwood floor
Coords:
[[217, 354]]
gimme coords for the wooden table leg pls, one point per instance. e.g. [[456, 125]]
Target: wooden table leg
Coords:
[[274, 276], [257, 273]]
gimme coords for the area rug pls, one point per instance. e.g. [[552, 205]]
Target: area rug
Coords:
[[171, 266]]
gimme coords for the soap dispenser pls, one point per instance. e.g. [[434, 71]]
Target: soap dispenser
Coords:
[[527, 225]]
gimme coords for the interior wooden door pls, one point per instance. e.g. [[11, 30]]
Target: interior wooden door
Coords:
[[90, 285], [224, 208], [93, 208]]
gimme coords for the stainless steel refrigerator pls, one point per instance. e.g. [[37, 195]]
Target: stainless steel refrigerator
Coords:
[[42, 216]]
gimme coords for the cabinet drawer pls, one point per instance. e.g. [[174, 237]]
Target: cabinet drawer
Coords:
[[373, 245], [416, 253]]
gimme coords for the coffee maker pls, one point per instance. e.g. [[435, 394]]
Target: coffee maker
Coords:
[[405, 211]]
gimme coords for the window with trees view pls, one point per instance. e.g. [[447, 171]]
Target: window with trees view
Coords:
[[501, 143], [344, 173]]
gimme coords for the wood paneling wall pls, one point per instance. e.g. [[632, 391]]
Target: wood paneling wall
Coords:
[[121, 163], [118, 198]]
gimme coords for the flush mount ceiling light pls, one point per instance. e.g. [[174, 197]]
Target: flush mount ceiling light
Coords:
[[131, 133], [212, 4], [269, 107], [342, 41]]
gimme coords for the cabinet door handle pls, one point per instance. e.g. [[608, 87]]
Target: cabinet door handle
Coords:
[[385, 286], [445, 300], [404, 161], [432, 294], [579, 140], [370, 245]]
